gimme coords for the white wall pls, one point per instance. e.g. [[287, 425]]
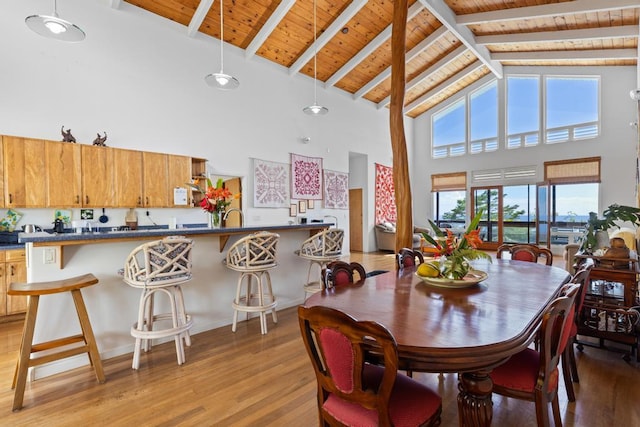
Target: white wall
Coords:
[[616, 144], [140, 78]]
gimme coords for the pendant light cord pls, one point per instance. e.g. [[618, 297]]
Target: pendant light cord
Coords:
[[315, 56], [222, 37]]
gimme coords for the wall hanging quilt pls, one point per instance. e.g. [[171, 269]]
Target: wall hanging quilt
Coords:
[[336, 190], [270, 184], [306, 177], [385, 195]]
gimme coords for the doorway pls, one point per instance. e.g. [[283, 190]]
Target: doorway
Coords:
[[355, 220], [489, 201]]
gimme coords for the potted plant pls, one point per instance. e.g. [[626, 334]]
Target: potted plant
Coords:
[[599, 226]]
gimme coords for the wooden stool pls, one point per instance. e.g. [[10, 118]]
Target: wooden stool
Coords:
[[33, 291]]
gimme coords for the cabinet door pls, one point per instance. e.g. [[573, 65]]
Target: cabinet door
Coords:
[[4, 283], [24, 179], [155, 180], [128, 178], [64, 177], [97, 176], [16, 272], [179, 175], [1, 172]]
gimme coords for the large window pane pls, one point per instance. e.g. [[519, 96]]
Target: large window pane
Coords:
[[523, 111], [571, 204], [518, 206], [571, 108], [449, 130], [449, 208], [483, 118]]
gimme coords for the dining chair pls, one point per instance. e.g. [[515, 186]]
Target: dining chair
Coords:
[[409, 258], [568, 359], [339, 273], [533, 374], [353, 392], [525, 252]]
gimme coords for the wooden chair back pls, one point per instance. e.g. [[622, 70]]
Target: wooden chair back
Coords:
[[336, 344], [338, 273], [408, 258], [526, 252]]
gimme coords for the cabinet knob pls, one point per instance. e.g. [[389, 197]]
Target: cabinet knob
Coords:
[[146, 201], [12, 270], [10, 198], [139, 201], [86, 200], [77, 199]]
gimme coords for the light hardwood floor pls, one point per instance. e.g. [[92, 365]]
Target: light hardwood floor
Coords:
[[245, 379]]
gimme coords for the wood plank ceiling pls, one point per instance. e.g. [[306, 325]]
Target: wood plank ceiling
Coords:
[[450, 43]]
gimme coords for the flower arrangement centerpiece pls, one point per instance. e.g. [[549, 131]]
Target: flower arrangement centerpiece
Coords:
[[216, 199], [455, 253]]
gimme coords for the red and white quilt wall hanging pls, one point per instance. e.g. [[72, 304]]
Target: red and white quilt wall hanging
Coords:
[[336, 190], [306, 177], [385, 195]]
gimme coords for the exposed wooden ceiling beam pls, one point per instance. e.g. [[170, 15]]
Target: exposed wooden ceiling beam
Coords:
[[115, 4], [564, 55], [560, 36], [546, 10], [268, 27], [198, 17], [443, 62], [469, 69], [328, 34], [445, 15], [417, 50], [369, 48]]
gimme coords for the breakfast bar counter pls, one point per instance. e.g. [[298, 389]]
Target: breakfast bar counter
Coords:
[[112, 305]]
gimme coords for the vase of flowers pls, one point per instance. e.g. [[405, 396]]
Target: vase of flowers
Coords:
[[216, 200], [455, 253]]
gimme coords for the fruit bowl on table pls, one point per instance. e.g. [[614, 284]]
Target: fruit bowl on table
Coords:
[[473, 277]]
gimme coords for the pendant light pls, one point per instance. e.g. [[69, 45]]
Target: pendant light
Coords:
[[315, 109], [221, 80], [54, 27]]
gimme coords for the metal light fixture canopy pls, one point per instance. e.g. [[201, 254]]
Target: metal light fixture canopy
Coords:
[[54, 27], [222, 80], [315, 109]]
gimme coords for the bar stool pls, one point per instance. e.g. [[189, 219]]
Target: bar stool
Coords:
[[253, 256], [161, 266], [320, 249], [27, 348]]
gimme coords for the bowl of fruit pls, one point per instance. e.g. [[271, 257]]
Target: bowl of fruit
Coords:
[[431, 273]]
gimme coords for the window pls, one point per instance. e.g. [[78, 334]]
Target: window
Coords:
[[571, 108], [449, 131], [449, 198], [483, 119], [523, 111]]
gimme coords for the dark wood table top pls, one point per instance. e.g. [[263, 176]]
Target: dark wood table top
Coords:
[[453, 330]]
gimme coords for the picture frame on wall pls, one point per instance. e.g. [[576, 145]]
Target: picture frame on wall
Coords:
[[293, 209], [302, 206], [310, 204]]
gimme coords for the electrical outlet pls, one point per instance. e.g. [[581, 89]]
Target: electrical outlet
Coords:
[[49, 256]]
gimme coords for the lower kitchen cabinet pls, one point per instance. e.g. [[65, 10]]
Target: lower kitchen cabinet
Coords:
[[13, 268]]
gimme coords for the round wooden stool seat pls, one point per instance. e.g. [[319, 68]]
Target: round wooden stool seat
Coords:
[[86, 340]]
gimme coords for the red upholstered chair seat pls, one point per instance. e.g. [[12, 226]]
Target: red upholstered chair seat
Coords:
[[521, 372]]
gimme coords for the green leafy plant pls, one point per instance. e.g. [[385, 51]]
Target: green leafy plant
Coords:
[[610, 217]]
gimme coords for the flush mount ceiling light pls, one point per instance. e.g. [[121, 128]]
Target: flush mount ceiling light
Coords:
[[315, 109], [54, 27], [221, 80]]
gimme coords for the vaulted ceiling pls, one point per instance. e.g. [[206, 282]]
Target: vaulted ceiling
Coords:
[[450, 44]]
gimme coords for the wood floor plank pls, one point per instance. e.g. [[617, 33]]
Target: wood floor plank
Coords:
[[247, 379]]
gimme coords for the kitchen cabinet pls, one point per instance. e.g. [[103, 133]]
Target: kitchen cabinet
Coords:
[[128, 178], [179, 174], [64, 174], [155, 182], [97, 177], [13, 268], [1, 172], [23, 166], [198, 177]]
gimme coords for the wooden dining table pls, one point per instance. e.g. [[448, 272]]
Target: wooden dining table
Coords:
[[467, 330]]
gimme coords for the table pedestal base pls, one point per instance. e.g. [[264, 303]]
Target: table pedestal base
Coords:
[[475, 407]]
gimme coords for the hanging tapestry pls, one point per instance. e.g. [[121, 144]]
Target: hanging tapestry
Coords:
[[336, 190], [270, 184], [385, 195], [306, 177]]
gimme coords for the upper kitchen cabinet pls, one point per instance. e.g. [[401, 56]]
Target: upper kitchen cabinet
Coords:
[[128, 178], [24, 180], [155, 181], [98, 176], [179, 175], [1, 172], [64, 174]]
